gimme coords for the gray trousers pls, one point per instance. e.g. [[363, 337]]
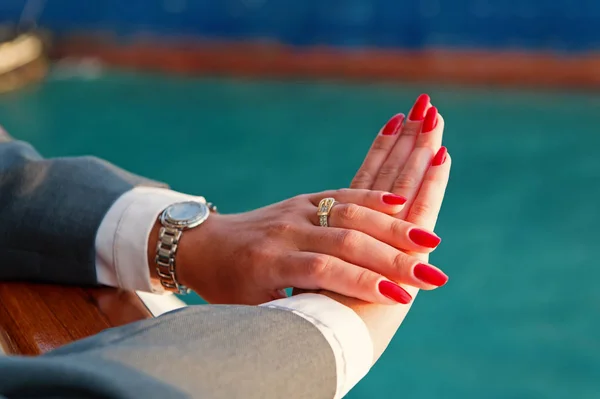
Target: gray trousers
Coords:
[[197, 352]]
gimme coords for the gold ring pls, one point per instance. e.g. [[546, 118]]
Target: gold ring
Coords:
[[323, 210]]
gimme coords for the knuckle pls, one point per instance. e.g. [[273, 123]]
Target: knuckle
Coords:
[[348, 239], [318, 266], [349, 212], [388, 171], [379, 145], [363, 278], [406, 181], [430, 178], [401, 263], [397, 228], [420, 209], [362, 179]]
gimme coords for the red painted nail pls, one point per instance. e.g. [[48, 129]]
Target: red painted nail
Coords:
[[418, 110], [430, 275], [393, 125], [440, 157], [430, 121], [424, 238], [393, 199], [394, 292]]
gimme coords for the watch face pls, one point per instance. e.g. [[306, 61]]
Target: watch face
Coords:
[[186, 214]]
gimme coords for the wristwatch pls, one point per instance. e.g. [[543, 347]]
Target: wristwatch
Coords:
[[175, 219]]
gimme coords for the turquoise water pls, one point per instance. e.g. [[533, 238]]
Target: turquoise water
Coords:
[[520, 315]]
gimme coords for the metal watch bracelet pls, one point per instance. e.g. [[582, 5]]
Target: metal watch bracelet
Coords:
[[166, 250]]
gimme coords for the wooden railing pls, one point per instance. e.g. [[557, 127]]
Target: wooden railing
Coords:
[[36, 318]]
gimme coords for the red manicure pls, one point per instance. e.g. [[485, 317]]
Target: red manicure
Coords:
[[424, 238], [394, 292], [393, 199], [393, 125], [418, 111], [440, 157], [430, 275], [430, 121]]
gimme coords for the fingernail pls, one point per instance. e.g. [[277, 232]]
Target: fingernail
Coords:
[[440, 157], [424, 238], [394, 292], [430, 275], [418, 110], [430, 120], [393, 199], [393, 125]]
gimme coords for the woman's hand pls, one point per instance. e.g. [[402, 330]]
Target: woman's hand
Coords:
[[249, 257], [408, 160]]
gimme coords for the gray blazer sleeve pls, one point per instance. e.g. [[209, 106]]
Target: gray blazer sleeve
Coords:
[[208, 352], [50, 211]]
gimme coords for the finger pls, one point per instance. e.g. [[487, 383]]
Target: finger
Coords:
[[426, 212], [403, 146], [409, 180], [432, 130], [417, 112], [426, 207], [395, 232], [411, 177], [311, 271], [381, 201], [381, 147], [365, 251]]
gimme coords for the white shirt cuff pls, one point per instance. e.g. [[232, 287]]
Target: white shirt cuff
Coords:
[[122, 239], [344, 330]]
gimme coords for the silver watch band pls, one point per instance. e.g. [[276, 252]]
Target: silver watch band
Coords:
[[166, 248]]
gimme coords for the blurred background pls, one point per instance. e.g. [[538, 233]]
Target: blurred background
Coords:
[[227, 98]]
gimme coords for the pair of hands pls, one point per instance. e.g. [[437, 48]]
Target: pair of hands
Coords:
[[379, 234]]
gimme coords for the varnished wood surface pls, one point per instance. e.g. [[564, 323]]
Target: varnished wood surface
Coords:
[[36, 318]]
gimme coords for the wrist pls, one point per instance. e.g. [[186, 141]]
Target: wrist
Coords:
[[152, 244], [191, 255], [195, 255]]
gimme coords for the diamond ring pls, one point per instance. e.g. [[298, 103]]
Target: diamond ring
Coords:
[[323, 210]]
